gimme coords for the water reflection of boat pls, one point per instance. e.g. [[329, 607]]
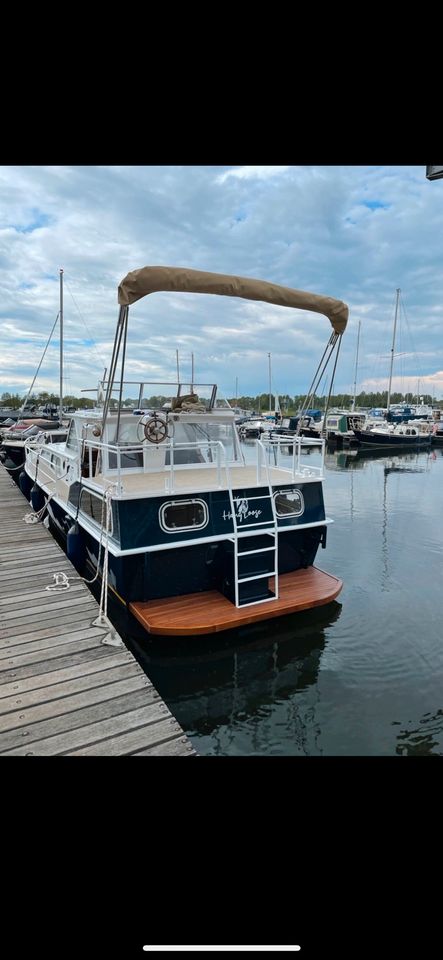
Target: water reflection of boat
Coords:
[[393, 467], [239, 675], [424, 739], [402, 461]]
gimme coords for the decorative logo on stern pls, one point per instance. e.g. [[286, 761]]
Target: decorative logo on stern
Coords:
[[242, 512]]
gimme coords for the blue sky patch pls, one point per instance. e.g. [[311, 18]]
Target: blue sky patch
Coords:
[[376, 204], [37, 220]]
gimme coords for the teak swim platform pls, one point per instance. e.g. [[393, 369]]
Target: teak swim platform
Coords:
[[211, 612]]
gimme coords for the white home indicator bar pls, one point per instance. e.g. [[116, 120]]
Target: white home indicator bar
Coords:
[[268, 949]]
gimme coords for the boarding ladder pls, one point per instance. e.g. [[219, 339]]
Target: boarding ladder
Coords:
[[263, 528]]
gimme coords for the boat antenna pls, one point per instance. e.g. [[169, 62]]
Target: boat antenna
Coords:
[[192, 373], [61, 345], [178, 367], [393, 347], [356, 365]]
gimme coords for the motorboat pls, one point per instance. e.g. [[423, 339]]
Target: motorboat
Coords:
[[189, 537]]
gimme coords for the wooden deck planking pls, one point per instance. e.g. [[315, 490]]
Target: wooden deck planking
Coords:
[[211, 612], [27, 631], [62, 691], [94, 732], [57, 677], [10, 648], [136, 740], [58, 690]]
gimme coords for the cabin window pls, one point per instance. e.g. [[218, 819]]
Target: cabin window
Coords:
[[289, 503], [92, 506], [130, 439], [183, 515]]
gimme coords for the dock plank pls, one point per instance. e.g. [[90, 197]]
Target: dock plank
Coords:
[[81, 737], [56, 691], [28, 630], [62, 690], [47, 638], [52, 678], [113, 709], [45, 666], [22, 716], [157, 733]]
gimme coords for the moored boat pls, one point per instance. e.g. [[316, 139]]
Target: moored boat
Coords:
[[188, 536], [13, 440], [399, 436]]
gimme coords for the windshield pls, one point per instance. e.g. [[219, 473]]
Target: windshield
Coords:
[[132, 434]]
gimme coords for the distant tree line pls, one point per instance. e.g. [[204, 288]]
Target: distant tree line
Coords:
[[292, 404], [258, 403], [42, 399]]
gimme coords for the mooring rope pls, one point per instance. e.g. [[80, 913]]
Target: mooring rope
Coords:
[[62, 581]]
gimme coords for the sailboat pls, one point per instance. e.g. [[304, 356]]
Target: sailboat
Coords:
[[30, 426], [399, 432], [196, 540]]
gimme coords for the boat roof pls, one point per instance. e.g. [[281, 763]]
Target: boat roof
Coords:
[[150, 279]]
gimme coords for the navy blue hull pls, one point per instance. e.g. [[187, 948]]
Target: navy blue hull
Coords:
[[182, 570], [380, 440]]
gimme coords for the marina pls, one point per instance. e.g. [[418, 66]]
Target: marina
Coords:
[[204, 553], [63, 691]]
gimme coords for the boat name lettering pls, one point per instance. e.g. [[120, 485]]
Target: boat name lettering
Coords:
[[242, 512]]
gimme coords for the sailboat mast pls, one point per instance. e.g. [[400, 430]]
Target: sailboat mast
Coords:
[[393, 347], [270, 388], [356, 365], [61, 345]]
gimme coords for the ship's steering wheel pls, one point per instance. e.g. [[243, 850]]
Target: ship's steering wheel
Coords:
[[155, 429]]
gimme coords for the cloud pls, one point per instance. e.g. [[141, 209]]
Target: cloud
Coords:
[[355, 233], [251, 173]]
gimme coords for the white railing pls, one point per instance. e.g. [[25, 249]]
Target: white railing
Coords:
[[272, 451], [269, 451], [58, 462], [95, 457], [152, 461]]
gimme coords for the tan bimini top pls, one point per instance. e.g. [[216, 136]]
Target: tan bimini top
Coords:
[[138, 283]]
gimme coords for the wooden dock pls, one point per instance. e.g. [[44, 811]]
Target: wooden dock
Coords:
[[62, 690]]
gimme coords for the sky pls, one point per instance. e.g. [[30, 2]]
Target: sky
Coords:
[[356, 233]]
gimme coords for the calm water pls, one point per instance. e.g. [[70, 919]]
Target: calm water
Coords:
[[362, 676]]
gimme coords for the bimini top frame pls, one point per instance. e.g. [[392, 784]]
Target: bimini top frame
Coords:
[[140, 283]]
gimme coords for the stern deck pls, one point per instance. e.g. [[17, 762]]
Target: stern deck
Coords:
[[211, 612]]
